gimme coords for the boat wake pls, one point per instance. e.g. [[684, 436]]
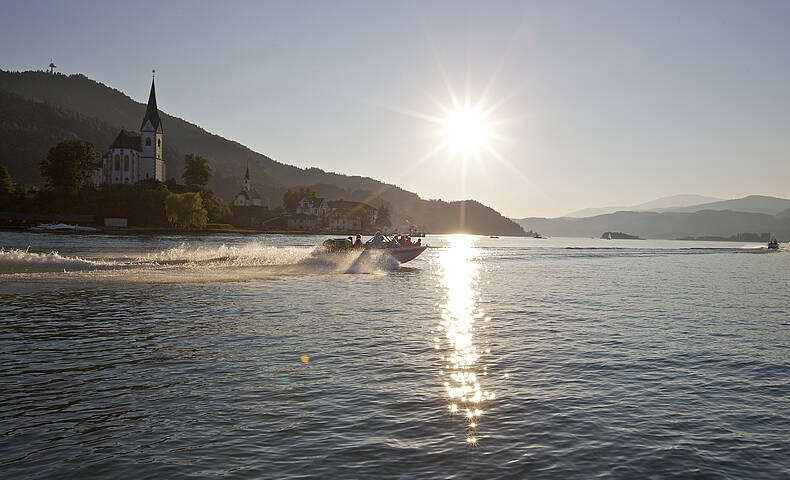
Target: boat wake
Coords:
[[191, 263], [16, 261]]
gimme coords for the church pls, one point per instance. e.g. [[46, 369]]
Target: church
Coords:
[[247, 197], [136, 156]]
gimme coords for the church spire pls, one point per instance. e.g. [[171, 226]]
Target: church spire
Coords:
[[151, 112]]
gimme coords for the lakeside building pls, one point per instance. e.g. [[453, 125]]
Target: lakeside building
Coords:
[[248, 207], [351, 216], [333, 216], [248, 196], [136, 156], [317, 207]]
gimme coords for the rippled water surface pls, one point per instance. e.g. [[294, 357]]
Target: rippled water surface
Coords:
[[253, 357]]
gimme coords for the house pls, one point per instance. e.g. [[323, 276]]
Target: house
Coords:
[[317, 207], [348, 216], [341, 222], [135, 156], [301, 221], [337, 215]]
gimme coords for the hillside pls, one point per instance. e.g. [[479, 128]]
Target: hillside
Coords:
[[752, 203], [28, 129], [663, 225], [44, 108], [664, 203]]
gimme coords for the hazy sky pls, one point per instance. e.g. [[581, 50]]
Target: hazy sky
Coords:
[[597, 102]]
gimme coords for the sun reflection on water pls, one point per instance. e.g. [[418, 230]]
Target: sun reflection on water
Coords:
[[455, 334]]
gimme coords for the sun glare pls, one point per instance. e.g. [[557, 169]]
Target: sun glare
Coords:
[[466, 130]]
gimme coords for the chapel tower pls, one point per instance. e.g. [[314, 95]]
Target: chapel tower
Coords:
[[151, 133]]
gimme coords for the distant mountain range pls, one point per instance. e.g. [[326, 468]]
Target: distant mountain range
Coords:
[[752, 214], [752, 203], [39, 109], [675, 201]]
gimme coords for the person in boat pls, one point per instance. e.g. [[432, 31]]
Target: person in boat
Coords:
[[406, 241], [377, 241], [419, 242], [358, 243]]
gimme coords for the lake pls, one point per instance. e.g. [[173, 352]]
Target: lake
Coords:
[[252, 357]]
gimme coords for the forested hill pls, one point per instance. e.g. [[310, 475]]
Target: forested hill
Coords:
[[40, 109]]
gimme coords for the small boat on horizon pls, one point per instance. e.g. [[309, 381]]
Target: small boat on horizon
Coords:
[[62, 227], [773, 244]]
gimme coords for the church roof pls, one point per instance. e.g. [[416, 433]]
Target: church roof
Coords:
[[250, 194], [151, 112], [127, 139]]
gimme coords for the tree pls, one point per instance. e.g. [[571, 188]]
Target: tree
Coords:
[[6, 185], [217, 210], [185, 211], [69, 166], [197, 171], [291, 197], [383, 217]]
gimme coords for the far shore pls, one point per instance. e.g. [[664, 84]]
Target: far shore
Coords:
[[248, 231]]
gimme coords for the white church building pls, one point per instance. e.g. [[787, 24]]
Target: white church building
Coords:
[[247, 197], [136, 156]]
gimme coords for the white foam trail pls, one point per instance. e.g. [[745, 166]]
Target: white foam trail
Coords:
[[199, 263], [250, 254], [15, 260]]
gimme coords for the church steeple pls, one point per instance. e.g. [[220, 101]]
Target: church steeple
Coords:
[[151, 136], [151, 112], [247, 186]]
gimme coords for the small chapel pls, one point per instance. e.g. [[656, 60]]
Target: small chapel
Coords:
[[136, 156], [247, 197]]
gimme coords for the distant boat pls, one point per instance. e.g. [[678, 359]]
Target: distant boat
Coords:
[[773, 244], [62, 227], [537, 235], [493, 236]]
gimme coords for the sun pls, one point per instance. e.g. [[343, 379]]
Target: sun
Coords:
[[466, 130]]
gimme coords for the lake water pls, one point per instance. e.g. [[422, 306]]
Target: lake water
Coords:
[[250, 357]]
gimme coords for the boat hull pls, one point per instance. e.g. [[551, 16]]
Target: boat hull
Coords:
[[405, 254]]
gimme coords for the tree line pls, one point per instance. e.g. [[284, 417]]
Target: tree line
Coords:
[[69, 170]]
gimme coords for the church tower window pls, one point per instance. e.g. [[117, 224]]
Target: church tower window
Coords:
[[117, 162], [126, 163], [148, 142]]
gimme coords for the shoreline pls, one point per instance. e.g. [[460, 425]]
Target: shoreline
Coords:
[[246, 231]]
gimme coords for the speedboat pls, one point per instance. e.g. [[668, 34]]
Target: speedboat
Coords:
[[773, 244], [389, 247], [62, 227]]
